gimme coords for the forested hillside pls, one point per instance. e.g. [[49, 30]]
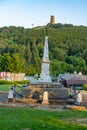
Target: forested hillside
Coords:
[[21, 49]]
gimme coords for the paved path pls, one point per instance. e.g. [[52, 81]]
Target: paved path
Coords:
[[3, 96]]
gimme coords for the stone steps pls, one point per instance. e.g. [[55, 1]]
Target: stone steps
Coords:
[[61, 102]]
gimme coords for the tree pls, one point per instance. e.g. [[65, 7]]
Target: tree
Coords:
[[60, 67], [35, 57], [27, 54], [85, 55], [78, 63], [59, 54], [17, 63]]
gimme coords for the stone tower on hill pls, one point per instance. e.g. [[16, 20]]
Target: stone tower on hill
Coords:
[[52, 20]]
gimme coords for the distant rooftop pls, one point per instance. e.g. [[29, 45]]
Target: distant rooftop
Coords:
[[74, 79]]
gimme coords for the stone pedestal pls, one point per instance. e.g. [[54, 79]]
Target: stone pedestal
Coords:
[[36, 91], [45, 98]]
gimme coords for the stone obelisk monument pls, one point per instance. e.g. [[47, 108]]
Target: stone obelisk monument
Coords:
[[45, 68], [43, 89]]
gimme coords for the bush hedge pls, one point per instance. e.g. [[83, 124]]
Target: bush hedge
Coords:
[[85, 87], [15, 82]]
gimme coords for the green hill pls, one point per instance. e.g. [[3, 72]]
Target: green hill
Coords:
[[21, 49]]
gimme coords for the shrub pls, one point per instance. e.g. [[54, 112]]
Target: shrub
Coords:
[[22, 82], [85, 87], [15, 82], [5, 82]]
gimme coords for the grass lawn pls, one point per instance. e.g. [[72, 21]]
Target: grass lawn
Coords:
[[6, 87], [32, 119]]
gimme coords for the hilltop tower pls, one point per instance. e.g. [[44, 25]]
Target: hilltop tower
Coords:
[[52, 20]]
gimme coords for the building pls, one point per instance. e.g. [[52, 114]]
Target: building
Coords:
[[69, 80]]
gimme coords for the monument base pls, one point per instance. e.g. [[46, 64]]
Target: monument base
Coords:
[[36, 91]]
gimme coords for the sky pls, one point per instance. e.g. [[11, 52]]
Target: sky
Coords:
[[32, 13]]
